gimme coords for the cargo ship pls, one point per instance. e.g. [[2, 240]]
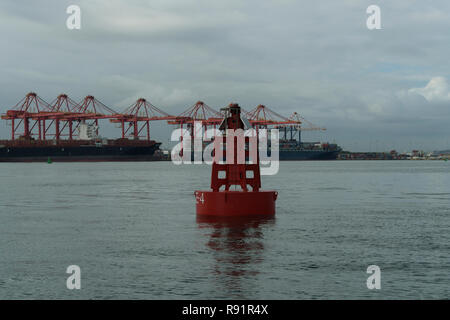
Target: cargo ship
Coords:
[[43, 126], [295, 150], [292, 148], [88, 148], [78, 150]]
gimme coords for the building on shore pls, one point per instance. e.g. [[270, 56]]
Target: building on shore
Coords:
[[394, 155]]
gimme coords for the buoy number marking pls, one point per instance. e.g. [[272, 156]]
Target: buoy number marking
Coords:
[[200, 198]]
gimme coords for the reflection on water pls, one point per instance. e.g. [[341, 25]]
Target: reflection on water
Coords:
[[237, 246]]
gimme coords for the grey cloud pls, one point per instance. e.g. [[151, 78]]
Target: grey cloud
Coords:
[[313, 57]]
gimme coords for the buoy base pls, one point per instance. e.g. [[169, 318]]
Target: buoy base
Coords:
[[235, 203]]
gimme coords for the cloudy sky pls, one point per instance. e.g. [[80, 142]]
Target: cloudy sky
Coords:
[[371, 89]]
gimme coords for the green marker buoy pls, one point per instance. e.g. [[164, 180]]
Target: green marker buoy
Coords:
[[49, 160]]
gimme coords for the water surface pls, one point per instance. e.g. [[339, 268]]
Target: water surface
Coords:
[[132, 229]]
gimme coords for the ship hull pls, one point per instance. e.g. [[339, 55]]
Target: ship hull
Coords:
[[302, 155], [78, 153], [296, 155]]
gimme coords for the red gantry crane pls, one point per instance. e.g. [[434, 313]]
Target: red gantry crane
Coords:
[[63, 110], [45, 125], [299, 127], [143, 112], [262, 116], [25, 115], [33, 113], [198, 112], [92, 109]]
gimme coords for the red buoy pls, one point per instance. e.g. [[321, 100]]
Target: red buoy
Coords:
[[249, 200]]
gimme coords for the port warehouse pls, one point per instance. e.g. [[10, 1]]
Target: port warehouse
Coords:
[[32, 118]]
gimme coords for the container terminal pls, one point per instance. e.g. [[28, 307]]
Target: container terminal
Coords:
[[64, 130]]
